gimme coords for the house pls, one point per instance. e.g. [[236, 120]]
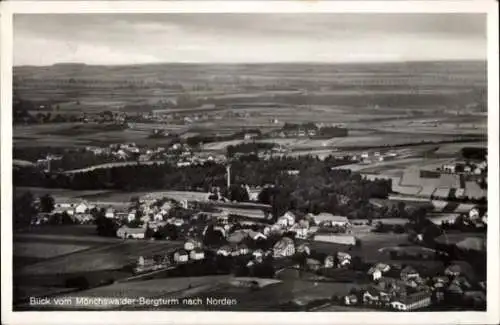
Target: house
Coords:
[[411, 302], [110, 213], [178, 222], [81, 208], [131, 215], [375, 273], [329, 261], [328, 219], [371, 296], [378, 270], [474, 214], [243, 249], [283, 248], [197, 254], [286, 220], [132, 233], [191, 244], [224, 251], [409, 273], [449, 168], [344, 259], [300, 232], [61, 210], [181, 256], [235, 251], [258, 254], [350, 300], [84, 218]]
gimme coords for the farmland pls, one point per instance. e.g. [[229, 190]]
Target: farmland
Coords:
[[426, 107]]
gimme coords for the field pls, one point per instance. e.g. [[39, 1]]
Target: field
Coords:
[[46, 257], [416, 102], [111, 197]]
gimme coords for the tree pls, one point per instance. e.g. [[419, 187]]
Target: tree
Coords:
[[23, 209], [105, 226], [47, 203]]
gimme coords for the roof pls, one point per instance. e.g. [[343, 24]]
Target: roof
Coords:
[[323, 216], [181, 252], [283, 242]]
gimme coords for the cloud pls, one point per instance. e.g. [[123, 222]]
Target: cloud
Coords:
[[151, 38]]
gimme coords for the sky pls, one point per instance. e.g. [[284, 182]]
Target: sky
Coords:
[[104, 39]]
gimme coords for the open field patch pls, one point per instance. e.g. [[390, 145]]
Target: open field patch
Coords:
[[107, 257], [44, 250]]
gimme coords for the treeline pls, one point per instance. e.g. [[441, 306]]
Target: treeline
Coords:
[[317, 188], [474, 153], [240, 135], [70, 158], [249, 148]]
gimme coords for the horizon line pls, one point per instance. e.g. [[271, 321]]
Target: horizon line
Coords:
[[253, 63]]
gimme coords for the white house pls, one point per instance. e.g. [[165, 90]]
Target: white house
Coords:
[[110, 213], [343, 258], [131, 216], [474, 214], [191, 245], [331, 220], [81, 208], [283, 248], [329, 261], [286, 220], [224, 251], [376, 274], [178, 222], [197, 254], [133, 233]]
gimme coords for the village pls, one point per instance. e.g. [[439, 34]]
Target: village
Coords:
[[213, 239]]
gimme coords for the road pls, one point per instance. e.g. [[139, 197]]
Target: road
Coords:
[[360, 167], [115, 164]]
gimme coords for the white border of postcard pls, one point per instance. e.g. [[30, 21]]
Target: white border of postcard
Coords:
[[491, 316]]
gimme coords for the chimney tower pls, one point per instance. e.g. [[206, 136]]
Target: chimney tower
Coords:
[[228, 175]]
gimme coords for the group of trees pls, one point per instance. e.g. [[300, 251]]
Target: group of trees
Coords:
[[249, 148], [240, 135], [316, 189]]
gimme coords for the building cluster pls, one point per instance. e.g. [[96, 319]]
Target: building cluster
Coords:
[[470, 168], [403, 288], [79, 212]]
